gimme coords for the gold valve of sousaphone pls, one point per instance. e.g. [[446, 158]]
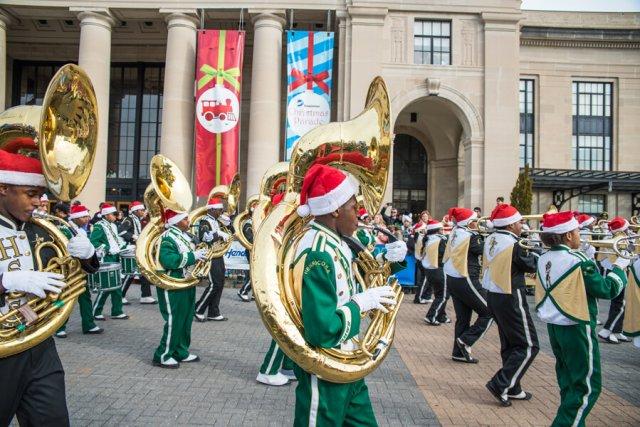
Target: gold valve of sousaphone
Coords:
[[361, 147], [274, 181], [65, 130], [242, 218]]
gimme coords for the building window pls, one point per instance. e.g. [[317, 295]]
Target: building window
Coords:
[[432, 42], [135, 119], [31, 81], [526, 122], [409, 174], [592, 125], [592, 204]]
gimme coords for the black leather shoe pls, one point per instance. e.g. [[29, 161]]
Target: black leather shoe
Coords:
[[523, 395], [502, 400], [464, 349]]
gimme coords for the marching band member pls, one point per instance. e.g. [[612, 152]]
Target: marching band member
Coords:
[[424, 292], [331, 303], [631, 323], [586, 223], [505, 263], [434, 245], [567, 286], [32, 381], [611, 331], [129, 230], [247, 230], [365, 235], [176, 306], [107, 242], [209, 232], [462, 270], [78, 219]]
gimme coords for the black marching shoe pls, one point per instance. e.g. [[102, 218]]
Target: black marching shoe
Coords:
[[431, 322], [466, 352], [523, 395], [502, 399]]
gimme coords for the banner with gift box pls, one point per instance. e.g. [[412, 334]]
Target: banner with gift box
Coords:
[[217, 128], [309, 72]]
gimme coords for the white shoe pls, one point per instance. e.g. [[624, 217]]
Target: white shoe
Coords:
[[99, 317], [289, 374], [607, 336], [200, 317], [191, 358], [276, 380], [61, 334], [170, 363], [148, 300], [426, 301], [125, 301], [598, 322], [623, 338]]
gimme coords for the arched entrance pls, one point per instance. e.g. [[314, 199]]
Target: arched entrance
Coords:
[[410, 174]]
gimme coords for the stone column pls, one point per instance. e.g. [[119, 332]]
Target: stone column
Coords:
[[265, 118], [343, 64], [4, 23], [475, 176], [94, 56], [178, 96], [502, 74]]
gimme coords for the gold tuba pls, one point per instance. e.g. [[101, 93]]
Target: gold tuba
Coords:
[[273, 182], [169, 189], [241, 219], [361, 147], [65, 130]]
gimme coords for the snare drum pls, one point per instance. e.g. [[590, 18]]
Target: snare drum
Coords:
[[129, 264], [107, 278]]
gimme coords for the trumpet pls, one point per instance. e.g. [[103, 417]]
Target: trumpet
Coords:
[[485, 226], [622, 246]]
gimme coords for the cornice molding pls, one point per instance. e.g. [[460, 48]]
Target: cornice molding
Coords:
[[579, 43]]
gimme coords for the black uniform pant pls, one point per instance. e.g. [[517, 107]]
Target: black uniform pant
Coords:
[[424, 288], [616, 314], [518, 338], [32, 384], [468, 296], [145, 286], [437, 310], [246, 287], [210, 299]]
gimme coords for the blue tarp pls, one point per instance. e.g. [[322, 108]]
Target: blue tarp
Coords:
[[406, 277]]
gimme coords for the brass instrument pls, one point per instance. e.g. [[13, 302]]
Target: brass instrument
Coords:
[[274, 181], [65, 130], [634, 223], [622, 246], [361, 147], [241, 219], [231, 194], [169, 189]]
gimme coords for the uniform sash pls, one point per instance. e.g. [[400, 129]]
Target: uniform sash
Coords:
[[430, 259], [496, 262], [456, 252], [115, 241], [631, 323]]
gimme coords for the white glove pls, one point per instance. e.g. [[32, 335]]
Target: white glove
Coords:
[[115, 251], [373, 298], [225, 220], [33, 282], [223, 235], [622, 262], [208, 236], [80, 247], [396, 251], [200, 254], [134, 237], [100, 252]]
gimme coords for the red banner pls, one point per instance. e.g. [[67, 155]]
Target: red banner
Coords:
[[217, 129]]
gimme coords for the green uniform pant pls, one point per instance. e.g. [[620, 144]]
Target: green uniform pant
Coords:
[[177, 309], [578, 370], [274, 360], [116, 302], [322, 403], [86, 312]]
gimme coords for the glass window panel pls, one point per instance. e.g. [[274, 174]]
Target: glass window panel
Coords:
[[446, 59], [437, 29], [417, 57], [446, 28], [436, 58], [417, 28]]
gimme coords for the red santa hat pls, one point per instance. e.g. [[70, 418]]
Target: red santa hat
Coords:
[[433, 225], [618, 224], [136, 206], [172, 217], [324, 190], [559, 222], [276, 198], [504, 215], [78, 211], [462, 216], [584, 220], [362, 213], [17, 169], [215, 203], [107, 209], [420, 226]]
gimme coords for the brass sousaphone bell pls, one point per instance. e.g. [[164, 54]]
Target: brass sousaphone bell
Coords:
[[65, 130]]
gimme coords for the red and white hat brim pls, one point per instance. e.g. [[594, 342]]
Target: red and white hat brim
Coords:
[[587, 222], [23, 178], [435, 226], [420, 228], [215, 206], [623, 228], [503, 222], [80, 214], [136, 208], [466, 221], [107, 211], [176, 219], [331, 201], [565, 227]]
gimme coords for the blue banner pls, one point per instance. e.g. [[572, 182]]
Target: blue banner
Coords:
[[309, 73]]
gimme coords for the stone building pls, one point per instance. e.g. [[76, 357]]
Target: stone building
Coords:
[[478, 89]]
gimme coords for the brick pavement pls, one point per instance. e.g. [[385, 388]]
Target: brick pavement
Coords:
[[457, 395], [110, 379]]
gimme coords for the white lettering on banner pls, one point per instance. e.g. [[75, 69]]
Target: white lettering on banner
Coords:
[[306, 111], [236, 257]]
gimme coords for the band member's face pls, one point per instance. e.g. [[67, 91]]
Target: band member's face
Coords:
[[473, 225], [81, 222], [60, 214], [215, 212], [572, 239], [516, 228], [140, 213], [183, 224], [110, 217], [20, 200], [347, 220]]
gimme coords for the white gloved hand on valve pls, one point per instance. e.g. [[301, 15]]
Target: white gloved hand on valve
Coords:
[[200, 254], [223, 235], [33, 282], [622, 262], [208, 236], [80, 247], [396, 251], [374, 298], [100, 252], [225, 220]]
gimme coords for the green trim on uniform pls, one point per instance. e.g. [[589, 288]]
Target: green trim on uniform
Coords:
[[275, 360]]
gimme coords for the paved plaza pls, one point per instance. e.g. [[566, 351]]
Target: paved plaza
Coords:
[[110, 379]]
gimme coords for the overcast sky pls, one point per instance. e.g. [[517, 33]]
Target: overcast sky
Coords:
[[584, 5]]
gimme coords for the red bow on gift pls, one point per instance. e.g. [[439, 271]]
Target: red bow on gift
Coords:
[[309, 79]]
